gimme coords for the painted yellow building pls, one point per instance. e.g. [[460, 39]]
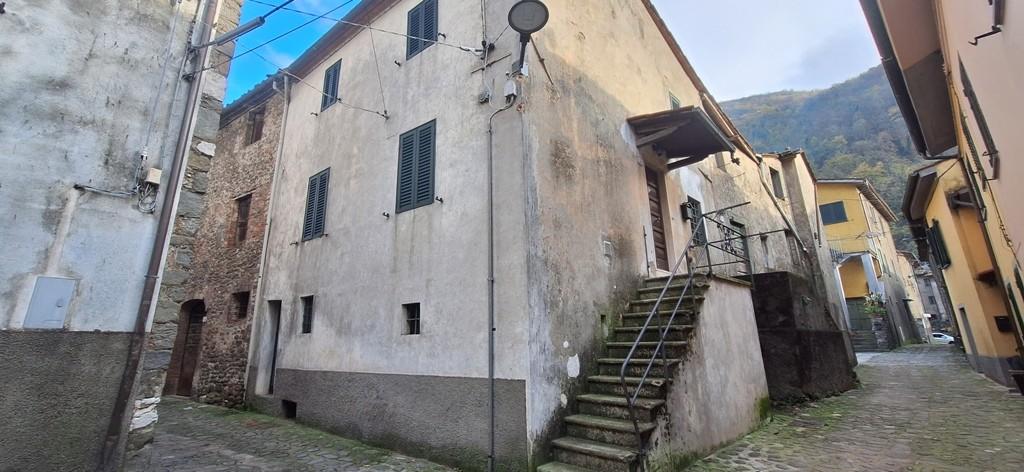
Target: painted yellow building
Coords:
[[954, 67], [857, 225]]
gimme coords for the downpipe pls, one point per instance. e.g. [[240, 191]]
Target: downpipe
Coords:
[[490, 279], [111, 456]]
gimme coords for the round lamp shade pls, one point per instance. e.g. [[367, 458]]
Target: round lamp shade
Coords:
[[528, 16]]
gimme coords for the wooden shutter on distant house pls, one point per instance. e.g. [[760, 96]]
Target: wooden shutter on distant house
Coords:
[[416, 168]]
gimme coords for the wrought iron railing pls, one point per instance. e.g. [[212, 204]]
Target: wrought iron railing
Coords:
[[727, 239]]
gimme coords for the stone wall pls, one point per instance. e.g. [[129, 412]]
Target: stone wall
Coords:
[[804, 350], [223, 265], [174, 288]]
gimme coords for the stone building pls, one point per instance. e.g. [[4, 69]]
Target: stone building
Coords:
[[952, 66], [94, 151], [211, 348], [383, 290]]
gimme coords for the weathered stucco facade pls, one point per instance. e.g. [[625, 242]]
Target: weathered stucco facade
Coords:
[[573, 233], [85, 127]]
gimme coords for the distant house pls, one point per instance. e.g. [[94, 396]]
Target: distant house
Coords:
[[857, 223], [950, 64]]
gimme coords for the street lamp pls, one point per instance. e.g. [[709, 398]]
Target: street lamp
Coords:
[[527, 17]]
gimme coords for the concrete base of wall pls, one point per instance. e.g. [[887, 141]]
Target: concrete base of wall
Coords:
[[444, 419], [56, 397]]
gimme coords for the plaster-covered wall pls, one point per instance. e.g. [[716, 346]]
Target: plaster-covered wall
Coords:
[[721, 392]]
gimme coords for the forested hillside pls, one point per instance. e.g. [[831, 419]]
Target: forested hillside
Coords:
[[853, 129]]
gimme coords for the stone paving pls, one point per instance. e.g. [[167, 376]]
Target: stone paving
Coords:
[[919, 409], [193, 437]]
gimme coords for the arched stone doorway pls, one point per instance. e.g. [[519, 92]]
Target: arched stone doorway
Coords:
[[185, 356]]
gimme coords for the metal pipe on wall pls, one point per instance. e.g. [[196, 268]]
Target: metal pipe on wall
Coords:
[[111, 454]]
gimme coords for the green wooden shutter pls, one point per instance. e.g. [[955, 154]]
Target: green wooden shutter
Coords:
[[415, 30], [422, 24], [307, 222], [406, 171], [320, 218], [331, 79], [316, 206], [416, 168], [425, 165]]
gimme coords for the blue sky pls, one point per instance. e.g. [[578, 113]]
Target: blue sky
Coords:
[[739, 47]]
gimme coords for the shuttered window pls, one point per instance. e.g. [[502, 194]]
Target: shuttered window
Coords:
[[331, 78], [316, 206], [416, 168], [938, 246], [832, 213], [979, 117], [422, 26]]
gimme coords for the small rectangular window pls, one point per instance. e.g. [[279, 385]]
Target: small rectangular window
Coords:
[[256, 125], [412, 318], [331, 78], [780, 191], [416, 168], [316, 206], [693, 211], [307, 314], [242, 205], [422, 28], [673, 102], [241, 300], [833, 213]]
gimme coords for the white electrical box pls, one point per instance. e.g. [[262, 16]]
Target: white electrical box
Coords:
[[153, 176]]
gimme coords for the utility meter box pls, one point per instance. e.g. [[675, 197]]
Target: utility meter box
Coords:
[[153, 176]]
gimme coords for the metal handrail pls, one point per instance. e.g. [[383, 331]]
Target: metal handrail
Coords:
[[692, 243]]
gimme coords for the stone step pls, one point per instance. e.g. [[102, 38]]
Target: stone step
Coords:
[[667, 304], [653, 333], [673, 349], [607, 430], [594, 455], [699, 286], [653, 387], [636, 367], [678, 279], [638, 318], [561, 467], [614, 406]]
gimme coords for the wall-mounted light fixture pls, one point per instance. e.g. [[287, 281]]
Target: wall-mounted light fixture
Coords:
[[527, 17]]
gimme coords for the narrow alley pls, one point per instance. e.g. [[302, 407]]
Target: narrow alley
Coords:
[[919, 408]]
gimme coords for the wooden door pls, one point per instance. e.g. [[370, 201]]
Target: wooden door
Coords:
[[657, 223], [190, 358]]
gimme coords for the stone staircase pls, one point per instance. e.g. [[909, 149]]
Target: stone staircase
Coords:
[[600, 436]]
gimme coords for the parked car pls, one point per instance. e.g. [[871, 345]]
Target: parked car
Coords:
[[942, 338]]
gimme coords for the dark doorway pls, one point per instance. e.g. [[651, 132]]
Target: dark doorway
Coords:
[[274, 310], [657, 222], [185, 357]]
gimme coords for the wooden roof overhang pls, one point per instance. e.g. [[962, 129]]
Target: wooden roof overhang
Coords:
[[684, 136]]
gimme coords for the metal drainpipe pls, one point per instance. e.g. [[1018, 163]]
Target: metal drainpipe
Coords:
[[110, 459], [490, 277]]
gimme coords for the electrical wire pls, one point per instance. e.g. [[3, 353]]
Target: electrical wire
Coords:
[[380, 82], [395, 33], [321, 92], [275, 38]]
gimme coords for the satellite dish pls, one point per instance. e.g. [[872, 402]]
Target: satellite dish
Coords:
[[528, 16]]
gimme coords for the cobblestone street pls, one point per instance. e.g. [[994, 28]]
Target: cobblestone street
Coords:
[[919, 409], [193, 437]]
